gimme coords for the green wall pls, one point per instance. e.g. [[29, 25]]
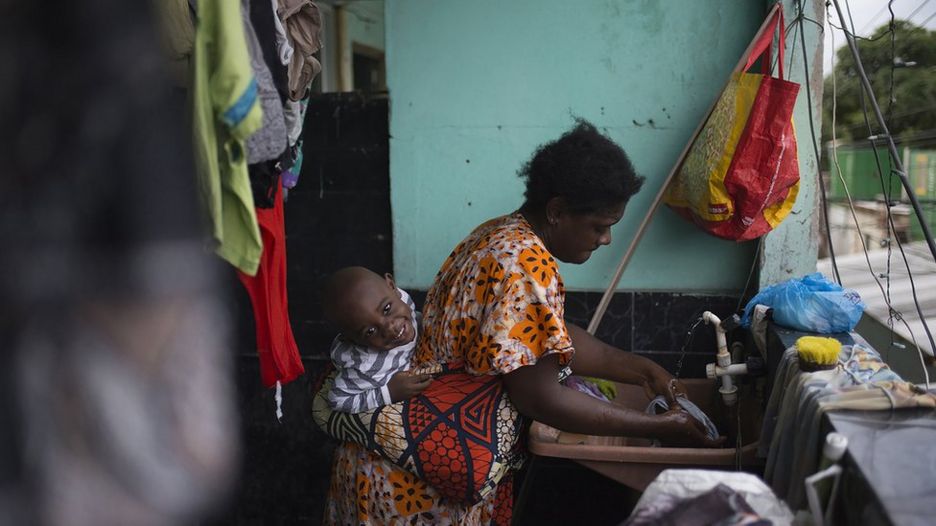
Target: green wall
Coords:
[[366, 22], [860, 172], [475, 86], [859, 169]]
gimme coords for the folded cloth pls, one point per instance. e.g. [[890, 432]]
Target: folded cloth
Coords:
[[660, 405]]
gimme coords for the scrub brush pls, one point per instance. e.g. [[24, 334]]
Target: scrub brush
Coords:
[[817, 353]]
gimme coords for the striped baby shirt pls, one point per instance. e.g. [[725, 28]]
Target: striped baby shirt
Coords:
[[363, 374]]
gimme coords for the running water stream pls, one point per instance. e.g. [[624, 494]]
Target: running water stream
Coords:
[[734, 418], [689, 334]]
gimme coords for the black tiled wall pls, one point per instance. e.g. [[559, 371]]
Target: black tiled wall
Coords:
[[656, 325], [653, 324], [337, 215]]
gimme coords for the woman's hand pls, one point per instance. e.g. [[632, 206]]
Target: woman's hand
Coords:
[[657, 381], [682, 430], [593, 357], [405, 385]]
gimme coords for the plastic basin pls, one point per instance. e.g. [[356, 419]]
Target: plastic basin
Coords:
[[635, 462]]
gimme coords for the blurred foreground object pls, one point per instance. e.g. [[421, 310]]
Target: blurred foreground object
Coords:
[[116, 401]]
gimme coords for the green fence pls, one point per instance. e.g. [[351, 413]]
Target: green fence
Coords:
[[859, 169]]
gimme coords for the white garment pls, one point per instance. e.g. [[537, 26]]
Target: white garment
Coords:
[[294, 114], [363, 374], [283, 47]]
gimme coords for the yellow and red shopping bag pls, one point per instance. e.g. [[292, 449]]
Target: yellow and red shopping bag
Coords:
[[739, 178]]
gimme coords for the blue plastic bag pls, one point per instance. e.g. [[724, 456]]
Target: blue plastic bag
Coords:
[[811, 303]]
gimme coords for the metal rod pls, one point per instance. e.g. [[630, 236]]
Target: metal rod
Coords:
[[885, 133], [609, 292]]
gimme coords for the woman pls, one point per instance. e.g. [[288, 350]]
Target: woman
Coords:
[[497, 305]]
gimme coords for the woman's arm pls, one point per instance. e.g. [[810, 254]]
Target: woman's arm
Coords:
[[594, 357], [536, 393]]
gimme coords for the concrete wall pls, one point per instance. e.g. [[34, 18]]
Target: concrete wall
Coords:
[[790, 250], [475, 86], [355, 23], [365, 19]]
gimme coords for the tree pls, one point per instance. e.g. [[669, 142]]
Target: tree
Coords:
[[914, 107]]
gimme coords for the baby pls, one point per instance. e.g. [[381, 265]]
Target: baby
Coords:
[[379, 325]]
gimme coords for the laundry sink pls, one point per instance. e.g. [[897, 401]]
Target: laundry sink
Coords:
[[635, 462]]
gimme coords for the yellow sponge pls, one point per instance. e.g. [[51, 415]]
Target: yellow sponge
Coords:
[[817, 353]]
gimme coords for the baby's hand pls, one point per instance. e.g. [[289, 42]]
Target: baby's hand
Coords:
[[405, 385]]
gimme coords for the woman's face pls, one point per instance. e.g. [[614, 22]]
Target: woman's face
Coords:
[[575, 236]]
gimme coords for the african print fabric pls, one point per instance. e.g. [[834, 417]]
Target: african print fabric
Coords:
[[461, 434], [496, 305], [497, 302]]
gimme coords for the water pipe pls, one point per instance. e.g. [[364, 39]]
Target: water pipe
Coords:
[[714, 370], [723, 358], [820, 492]]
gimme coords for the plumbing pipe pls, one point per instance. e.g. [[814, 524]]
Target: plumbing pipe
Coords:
[[820, 493], [812, 496], [713, 370], [737, 352], [728, 390]]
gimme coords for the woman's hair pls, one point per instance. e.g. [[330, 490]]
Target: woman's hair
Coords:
[[584, 167]]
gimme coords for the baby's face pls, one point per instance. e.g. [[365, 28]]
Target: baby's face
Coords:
[[377, 317]]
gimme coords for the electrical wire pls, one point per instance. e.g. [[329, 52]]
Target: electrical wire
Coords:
[[757, 256], [838, 169], [923, 23], [893, 314], [920, 136], [888, 191], [873, 18], [917, 10], [815, 144], [856, 37]]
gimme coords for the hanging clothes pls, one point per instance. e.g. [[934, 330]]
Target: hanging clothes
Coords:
[[790, 436], [282, 42], [279, 355], [263, 19], [177, 33], [270, 141], [303, 22], [265, 176], [226, 111], [291, 176]]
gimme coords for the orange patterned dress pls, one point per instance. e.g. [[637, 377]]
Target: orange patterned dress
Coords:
[[496, 305]]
